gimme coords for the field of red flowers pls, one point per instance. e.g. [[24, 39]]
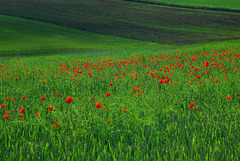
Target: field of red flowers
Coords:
[[149, 105]]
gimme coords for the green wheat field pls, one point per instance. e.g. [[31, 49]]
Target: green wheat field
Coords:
[[119, 80]]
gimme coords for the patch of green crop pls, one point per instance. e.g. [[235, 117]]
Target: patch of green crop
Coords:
[[29, 37], [234, 4]]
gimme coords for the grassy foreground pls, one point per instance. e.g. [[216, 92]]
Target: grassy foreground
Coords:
[[158, 104]]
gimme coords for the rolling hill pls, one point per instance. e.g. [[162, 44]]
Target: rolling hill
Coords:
[[30, 37], [162, 24]]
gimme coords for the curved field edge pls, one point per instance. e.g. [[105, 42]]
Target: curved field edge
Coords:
[[26, 37], [162, 24], [122, 52], [187, 5]]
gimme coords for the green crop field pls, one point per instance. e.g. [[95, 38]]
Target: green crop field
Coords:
[[162, 104], [233, 4], [117, 80]]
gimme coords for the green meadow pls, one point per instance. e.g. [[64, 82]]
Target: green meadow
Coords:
[[134, 106], [84, 81]]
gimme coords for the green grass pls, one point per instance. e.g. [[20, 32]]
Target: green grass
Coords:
[[158, 123], [29, 37], [148, 22], [233, 4]]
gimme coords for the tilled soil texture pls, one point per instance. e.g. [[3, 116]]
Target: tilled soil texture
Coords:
[[171, 25]]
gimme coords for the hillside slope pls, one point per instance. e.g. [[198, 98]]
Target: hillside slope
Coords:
[[156, 23], [29, 37]]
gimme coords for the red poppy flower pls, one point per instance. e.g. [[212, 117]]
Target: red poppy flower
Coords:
[[196, 109], [228, 97], [55, 125], [124, 109], [108, 94], [73, 79], [69, 100], [6, 116], [50, 108], [22, 110], [37, 114], [3, 105], [7, 99], [98, 105], [43, 98], [58, 95], [198, 76], [109, 121], [110, 84], [191, 105], [21, 115], [16, 79], [23, 98]]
